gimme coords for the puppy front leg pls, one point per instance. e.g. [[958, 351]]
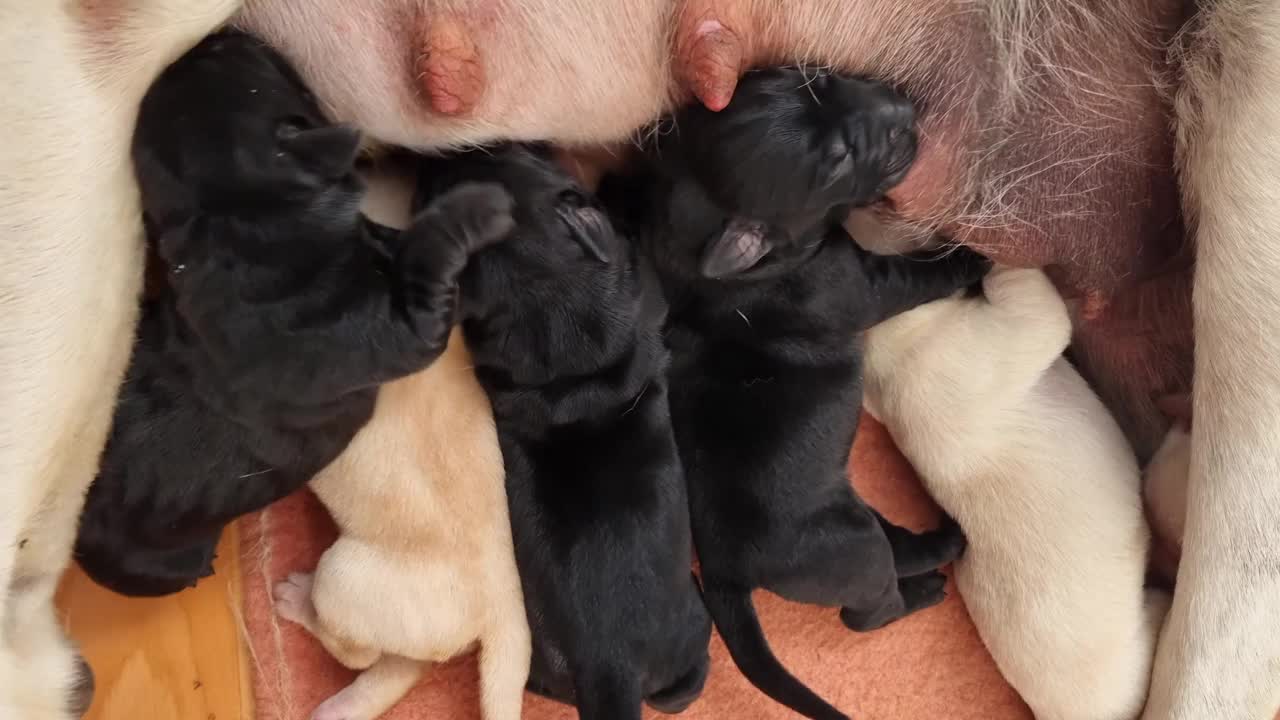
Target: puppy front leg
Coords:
[[388, 332], [373, 692], [436, 247], [902, 282], [1219, 652]]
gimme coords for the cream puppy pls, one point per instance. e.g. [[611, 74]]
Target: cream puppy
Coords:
[[74, 73], [424, 568], [1012, 442]]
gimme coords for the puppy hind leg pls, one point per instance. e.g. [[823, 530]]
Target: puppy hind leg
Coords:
[[504, 668], [293, 603], [374, 691], [918, 553], [910, 595]]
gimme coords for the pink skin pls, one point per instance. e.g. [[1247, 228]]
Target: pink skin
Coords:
[[1083, 160]]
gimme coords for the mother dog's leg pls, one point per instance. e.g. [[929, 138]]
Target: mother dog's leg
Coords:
[[73, 74], [1219, 655]]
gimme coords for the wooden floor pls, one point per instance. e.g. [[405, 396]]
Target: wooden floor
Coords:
[[174, 658]]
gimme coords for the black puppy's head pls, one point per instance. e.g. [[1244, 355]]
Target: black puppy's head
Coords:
[[793, 145], [558, 224], [791, 153], [231, 128]]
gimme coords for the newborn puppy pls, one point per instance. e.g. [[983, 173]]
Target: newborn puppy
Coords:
[[1014, 444], [286, 310], [768, 295], [420, 501], [565, 327]]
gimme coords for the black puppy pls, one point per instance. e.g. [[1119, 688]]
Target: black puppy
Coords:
[[285, 310], [741, 213], [565, 327]]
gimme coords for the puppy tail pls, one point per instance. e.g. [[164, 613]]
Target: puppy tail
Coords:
[[735, 618], [504, 667]]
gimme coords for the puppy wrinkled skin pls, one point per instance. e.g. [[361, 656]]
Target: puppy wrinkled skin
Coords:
[[74, 75], [1012, 442], [564, 323], [741, 214], [424, 567], [286, 308]]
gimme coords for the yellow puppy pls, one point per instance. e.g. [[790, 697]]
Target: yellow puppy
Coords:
[[424, 568], [1014, 444]]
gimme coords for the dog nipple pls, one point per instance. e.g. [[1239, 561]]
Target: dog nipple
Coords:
[[1094, 306], [449, 67], [712, 64]]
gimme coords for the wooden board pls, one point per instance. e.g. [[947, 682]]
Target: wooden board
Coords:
[[173, 658]]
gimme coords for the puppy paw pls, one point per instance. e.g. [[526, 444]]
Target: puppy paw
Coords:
[[329, 710], [970, 266], [293, 598], [477, 214], [348, 704], [922, 591], [951, 539]]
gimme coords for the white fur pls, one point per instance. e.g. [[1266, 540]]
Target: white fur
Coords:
[[1220, 652], [1010, 440], [73, 75], [424, 568]]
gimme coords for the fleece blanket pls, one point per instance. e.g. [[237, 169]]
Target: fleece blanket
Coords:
[[929, 665]]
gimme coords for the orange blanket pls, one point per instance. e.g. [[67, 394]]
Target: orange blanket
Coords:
[[929, 665]]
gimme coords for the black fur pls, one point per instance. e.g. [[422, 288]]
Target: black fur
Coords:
[[285, 309], [565, 327], [768, 295]]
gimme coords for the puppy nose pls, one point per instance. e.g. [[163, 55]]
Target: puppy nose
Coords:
[[895, 117], [893, 124]]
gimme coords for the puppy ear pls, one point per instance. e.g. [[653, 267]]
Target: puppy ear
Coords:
[[328, 151], [739, 248], [588, 225]]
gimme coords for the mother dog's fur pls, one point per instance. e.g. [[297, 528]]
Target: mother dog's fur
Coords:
[[74, 74], [1219, 655]]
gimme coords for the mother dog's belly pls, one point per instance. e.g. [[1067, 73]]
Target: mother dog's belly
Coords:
[[1045, 137]]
